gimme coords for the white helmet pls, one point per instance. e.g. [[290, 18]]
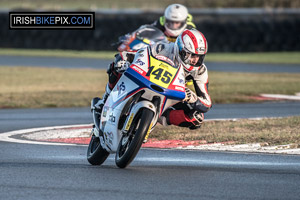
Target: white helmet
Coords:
[[191, 43], [175, 13]]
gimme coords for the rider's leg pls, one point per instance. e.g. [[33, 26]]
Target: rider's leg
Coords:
[[113, 77], [100, 103], [182, 115]]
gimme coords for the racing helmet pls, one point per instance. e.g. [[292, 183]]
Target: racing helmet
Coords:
[[175, 19], [190, 49]]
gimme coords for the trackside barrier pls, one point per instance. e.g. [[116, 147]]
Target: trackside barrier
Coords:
[[228, 30]]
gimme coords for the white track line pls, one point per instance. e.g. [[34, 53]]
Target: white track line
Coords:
[[8, 136], [281, 96]]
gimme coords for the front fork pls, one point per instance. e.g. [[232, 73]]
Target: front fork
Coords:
[[153, 105], [96, 119]]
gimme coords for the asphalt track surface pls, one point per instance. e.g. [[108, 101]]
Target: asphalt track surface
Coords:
[[61, 172], [62, 62]]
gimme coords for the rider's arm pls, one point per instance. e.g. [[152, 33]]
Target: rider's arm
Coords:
[[118, 66], [121, 62], [125, 55], [200, 80]]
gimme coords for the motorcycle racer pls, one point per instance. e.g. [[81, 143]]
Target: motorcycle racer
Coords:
[[189, 50], [175, 20]]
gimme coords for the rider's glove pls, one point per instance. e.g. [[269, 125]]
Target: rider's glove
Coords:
[[190, 96], [121, 66]]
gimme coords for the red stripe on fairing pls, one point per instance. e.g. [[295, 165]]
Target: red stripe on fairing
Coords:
[[129, 95], [205, 43], [143, 74], [192, 36], [163, 105], [133, 93], [172, 86], [177, 73]]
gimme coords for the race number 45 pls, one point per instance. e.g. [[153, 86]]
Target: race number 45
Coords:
[[160, 74]]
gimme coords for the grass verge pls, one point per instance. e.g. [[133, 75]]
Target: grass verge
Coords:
[[30, 87], [58, 53], [261, 57], [274, 131], [37, 87], [238, 87]]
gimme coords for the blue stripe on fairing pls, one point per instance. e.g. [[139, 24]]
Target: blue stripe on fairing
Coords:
[[125, 97], [143, 82]]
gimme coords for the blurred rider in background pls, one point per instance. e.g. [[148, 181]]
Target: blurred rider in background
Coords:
[[176, 19]]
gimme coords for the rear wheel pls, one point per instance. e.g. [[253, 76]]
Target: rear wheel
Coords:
[[131, 142], [96, 155]]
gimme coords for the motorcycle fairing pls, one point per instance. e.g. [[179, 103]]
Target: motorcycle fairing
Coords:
[[135, 79], [162, 75]]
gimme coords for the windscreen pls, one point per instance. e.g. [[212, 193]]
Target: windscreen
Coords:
[[151, 33]]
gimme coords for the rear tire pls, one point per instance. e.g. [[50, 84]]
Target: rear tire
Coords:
[[96, 155], [131, 143]]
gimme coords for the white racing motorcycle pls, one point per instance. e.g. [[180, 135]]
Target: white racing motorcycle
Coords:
[[146, 89]]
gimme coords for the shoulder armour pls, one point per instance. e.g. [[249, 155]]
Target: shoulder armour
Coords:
[[189, 18], [162, 20]]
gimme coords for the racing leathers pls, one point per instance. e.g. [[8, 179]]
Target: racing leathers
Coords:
[[189, 112]]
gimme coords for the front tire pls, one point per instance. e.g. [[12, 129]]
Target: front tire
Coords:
[[96, 155], [131, 143]]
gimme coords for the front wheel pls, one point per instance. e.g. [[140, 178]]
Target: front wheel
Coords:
[[131, 142], [96, 155]]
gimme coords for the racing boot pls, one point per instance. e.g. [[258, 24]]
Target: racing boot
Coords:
[[198, 119]]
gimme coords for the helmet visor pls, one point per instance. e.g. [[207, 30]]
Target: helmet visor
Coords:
[[174, 25], [195, 60]]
